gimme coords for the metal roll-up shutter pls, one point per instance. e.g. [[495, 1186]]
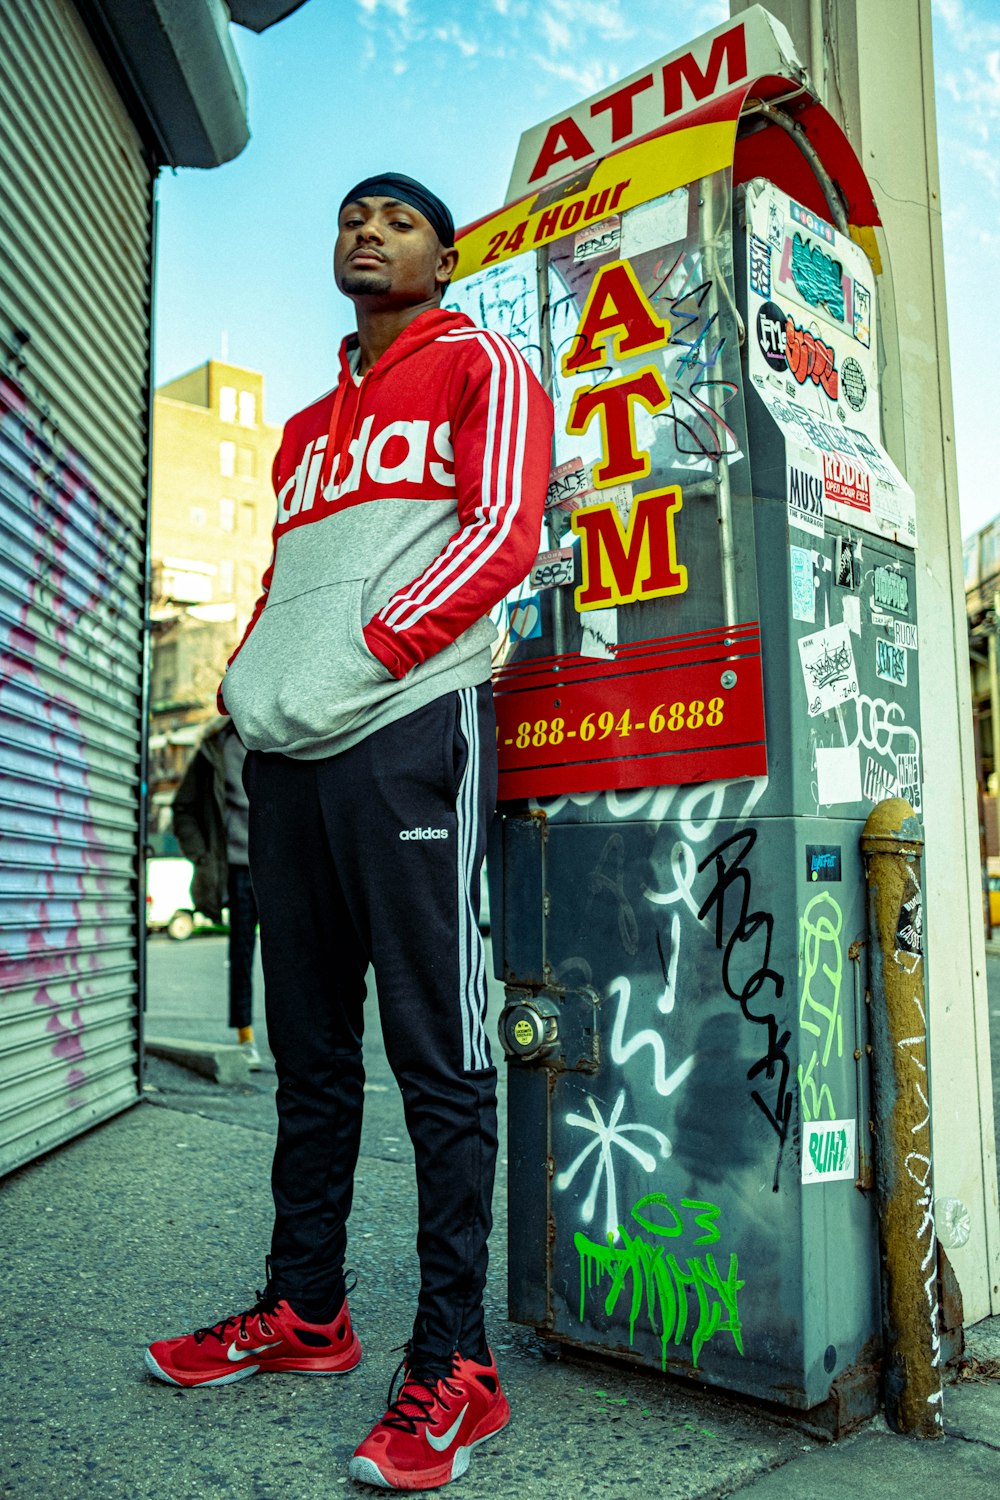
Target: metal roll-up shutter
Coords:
[[75, 291]]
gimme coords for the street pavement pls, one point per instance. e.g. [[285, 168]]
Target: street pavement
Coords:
[[157, 1222]]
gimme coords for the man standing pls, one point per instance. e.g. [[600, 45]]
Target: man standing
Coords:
[[409, 502]]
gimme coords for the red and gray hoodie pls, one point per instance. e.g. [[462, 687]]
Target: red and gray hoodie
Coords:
[[408, 505]]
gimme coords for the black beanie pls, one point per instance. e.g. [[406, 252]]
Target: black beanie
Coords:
[[408, 190]]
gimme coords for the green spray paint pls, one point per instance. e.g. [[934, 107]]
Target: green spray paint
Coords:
[[663, 1280], [821, 971]]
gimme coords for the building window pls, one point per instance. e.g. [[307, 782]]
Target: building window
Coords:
[[199, 515], [227, 403], [227, 515], [246, 463], [248, 409], [248, 518], [226, 578], [227, 460]]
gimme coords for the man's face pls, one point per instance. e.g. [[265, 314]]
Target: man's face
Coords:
[[388, 251]]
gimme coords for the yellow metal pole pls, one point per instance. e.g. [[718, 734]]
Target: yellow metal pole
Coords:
[[892, 846]]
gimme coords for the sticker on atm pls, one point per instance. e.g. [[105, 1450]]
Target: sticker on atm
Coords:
[[805, 498], [598, 239], [524, 1033], [829, 1151], [828, 668], [822, 861]]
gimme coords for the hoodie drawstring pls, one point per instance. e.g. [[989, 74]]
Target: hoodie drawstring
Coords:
[[343, 419]]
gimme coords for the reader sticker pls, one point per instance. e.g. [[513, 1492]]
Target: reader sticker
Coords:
[[847, 483], [822, 861], [803, 585], [829, 1151], [828, 669]]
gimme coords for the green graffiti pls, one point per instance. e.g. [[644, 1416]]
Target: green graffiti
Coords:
[[661, 1281], [821, 971], [818, 277]]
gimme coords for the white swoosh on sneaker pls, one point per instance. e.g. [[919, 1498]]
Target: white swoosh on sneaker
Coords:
[[237, 1354], [447, 1438]]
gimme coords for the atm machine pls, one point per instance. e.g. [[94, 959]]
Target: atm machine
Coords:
[[703, 686]]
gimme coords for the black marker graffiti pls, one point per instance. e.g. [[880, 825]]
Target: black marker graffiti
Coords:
[[749, 923]]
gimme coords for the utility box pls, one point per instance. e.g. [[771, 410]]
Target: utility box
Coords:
[[707, 680]]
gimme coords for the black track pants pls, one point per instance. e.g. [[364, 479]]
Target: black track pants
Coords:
[[374, 856]]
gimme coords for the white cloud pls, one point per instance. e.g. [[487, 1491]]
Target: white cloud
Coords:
[[399, 8], [453, 35], [968, 32], [976, 90], [604, 16], [983, 164], [557, 33], [588, 77]]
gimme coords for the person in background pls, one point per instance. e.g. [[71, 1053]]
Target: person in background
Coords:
[[211, 821]]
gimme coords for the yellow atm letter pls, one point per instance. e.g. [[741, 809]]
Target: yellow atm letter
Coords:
[[640, 562], [618, 313]]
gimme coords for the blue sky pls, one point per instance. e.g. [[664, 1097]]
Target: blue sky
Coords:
[[442, 89]]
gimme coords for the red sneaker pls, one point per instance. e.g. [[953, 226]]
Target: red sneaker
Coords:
[[268, 1336], [426, 1437]]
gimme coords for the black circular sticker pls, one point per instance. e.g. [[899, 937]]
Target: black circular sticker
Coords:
[[853, 383], [771, 335]]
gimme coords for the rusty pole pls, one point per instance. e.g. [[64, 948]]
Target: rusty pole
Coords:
[[892, 845]]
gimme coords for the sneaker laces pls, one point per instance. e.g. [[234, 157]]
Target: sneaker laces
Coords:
[[266, 1304], [409, 1409]]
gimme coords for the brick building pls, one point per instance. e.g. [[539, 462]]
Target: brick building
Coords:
[[212, 514]]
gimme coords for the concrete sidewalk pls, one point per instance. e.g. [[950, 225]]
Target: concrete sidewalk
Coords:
[[154, 1223]]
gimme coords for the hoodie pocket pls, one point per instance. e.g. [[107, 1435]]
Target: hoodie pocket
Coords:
[[375, 669], [305, 675]]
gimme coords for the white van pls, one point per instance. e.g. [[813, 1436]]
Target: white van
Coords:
[[168, 898]]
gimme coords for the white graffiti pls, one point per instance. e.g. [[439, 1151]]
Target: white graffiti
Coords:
[[653, 803], [917, 1166], [606, 1136], [668, 999], [880, 727], [622, 1051], [683, 868]]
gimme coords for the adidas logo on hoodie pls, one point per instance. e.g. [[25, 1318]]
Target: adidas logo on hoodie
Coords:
[[423, 833]]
